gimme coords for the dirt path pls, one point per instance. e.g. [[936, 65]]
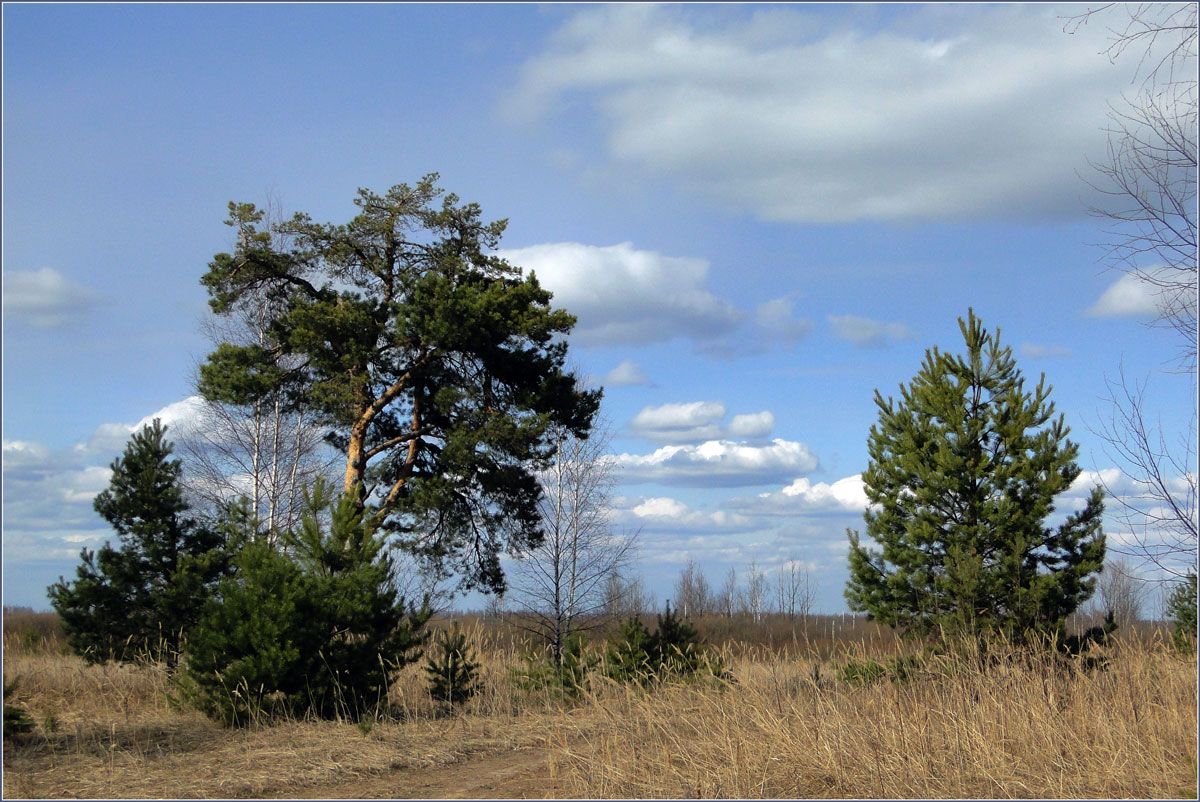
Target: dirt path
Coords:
[[510, 774]]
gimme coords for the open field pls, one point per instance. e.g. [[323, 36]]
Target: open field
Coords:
[[787, 727]]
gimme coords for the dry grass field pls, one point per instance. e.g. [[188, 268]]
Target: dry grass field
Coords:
[[787, 726]]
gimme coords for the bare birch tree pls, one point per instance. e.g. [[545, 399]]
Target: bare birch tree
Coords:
[[693, 597], [559, 587], [1149, 175], [754, 597], [1122, 592], [627, 596], [267, 452], [727, 597], [794, 589]]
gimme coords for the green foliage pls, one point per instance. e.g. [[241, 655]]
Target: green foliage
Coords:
[[311, 625], [567, 677], [137, 601], [898, 669], [16, 719], [628, 658], [453, 676], [439, 367], [673, 650], [963, 473], [1181, 611]]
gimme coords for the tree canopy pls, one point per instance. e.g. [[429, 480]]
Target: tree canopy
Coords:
[[438, 365], [963, 474]]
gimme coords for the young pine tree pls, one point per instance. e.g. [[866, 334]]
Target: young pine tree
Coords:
[[136, 601], [452, 674], [962, 477], [309, 625]]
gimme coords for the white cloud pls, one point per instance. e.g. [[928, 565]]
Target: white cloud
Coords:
[[23, 453], [1128, 296], [661, 514], [717, 463], [84, 485], [1146, 294], [866, 332], [698, 421], [1112, 478], [680, 423], [802, 497], [180, 417], [775, 319], [751, 426], [1034, 351], [626, 374], [965, 113], [48, 498], [44, 298], [626, 296]]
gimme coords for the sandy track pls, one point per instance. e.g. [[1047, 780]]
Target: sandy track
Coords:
[[509, 774]]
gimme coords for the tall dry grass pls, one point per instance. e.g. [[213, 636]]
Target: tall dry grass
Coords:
[[787, 727]]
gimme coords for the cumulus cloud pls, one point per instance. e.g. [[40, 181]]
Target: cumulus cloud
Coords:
[[751, 426], [698, 421], [1150, 294], [44, 298], [626, 374], [1128, 296], [180, 417], [867, 333], [622, 295], [716, 463], [661, 514], [802, 497], [680, 423], [802, 116], [21, 456]]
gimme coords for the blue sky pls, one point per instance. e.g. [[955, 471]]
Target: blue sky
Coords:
[[760, 215]]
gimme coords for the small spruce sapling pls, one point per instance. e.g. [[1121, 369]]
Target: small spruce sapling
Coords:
[[16, 720], [453, 675]]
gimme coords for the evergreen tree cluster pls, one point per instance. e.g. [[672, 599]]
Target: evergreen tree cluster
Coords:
[[440, 372], [17, 720], [310, 625], [306, 622], [674, 650], [567, 676]]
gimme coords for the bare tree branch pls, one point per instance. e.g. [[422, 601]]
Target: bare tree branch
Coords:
[[1149, 182], [1158, 508]]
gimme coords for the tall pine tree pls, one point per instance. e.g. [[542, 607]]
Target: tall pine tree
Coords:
[[136, 601], [963, 475], [438, 367]]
